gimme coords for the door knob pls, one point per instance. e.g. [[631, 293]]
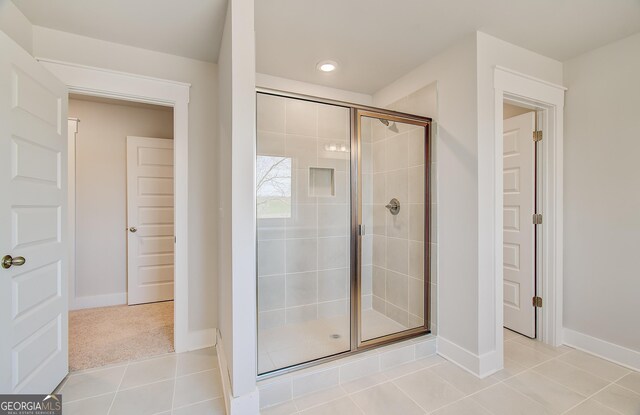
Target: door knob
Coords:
[[8, 261], [133, 229], [393, 206]]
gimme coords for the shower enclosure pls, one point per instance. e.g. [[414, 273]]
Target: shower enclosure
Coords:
[[342, 203]]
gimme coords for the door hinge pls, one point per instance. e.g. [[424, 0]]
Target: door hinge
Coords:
[[537, 301], [537, 218], [361, 230], [537, 136]]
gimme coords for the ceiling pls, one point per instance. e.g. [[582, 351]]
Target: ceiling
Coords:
[[377, 41], [374, 41], [189, 28]]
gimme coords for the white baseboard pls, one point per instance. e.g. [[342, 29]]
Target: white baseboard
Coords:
[[224, 372], [458, 355], [248, 404], [491, 363], [602, 348], [92, 301], [480, 366]]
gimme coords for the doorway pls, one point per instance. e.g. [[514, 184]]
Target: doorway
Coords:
[[520, 233], [121, 206], [39, 245], [342, 201]]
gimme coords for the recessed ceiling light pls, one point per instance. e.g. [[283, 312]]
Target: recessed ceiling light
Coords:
[[327, 66]]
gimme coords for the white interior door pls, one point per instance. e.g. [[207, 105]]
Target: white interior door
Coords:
[[150, 219], [33, 221], [519, 230]]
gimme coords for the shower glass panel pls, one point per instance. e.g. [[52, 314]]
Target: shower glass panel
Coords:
[[303, 211], [394, 210]]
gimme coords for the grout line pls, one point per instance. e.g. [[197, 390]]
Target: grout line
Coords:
[[166, 379], [624, 387], [118, 389], [597, 392], [407, 395], [588, 371], [175, 382], [195, 403], [470, 395], [531, 369], [355, 404], [88, 397]]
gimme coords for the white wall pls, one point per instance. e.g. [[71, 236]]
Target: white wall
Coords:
[[237, 238], [314, 90], [602, 194], [467, 311], [454, 70], [101, 193], [225, 304], [203, 133], [15, 25]]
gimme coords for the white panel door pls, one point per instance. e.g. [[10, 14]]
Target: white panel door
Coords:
[[150, 219], [33, 224], [519, 230]]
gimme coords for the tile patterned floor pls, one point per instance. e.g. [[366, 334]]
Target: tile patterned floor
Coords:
[[171, 384], [301, 342], [537, 380]]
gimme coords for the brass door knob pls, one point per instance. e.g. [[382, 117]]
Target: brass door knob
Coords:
[[133, 229], [8, 261]]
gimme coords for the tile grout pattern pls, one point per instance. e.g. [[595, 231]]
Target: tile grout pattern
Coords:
[[302, 342], [537, 379], [170, 384]]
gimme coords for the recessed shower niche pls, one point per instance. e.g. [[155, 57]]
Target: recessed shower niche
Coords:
[[321, 182], [343, 212]]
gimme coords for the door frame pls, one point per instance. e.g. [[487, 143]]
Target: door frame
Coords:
[[548, 99], [85, 80]]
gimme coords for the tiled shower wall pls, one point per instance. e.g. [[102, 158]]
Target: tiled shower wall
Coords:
[[425, 102], [303, 257], [394, 167]]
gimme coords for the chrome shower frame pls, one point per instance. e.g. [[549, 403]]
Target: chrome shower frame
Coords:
[[357, 344]]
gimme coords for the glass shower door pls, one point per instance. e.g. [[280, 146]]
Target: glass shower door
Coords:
[[303, 210], [394, 209]]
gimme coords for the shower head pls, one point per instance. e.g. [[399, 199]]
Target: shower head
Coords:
[[390, 125]]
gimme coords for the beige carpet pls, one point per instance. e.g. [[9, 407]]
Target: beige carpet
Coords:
[[101, 336]]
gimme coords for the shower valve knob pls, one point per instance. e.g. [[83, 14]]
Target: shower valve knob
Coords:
[[393, 206]]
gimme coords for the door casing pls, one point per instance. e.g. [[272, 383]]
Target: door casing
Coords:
[[105, 83], [548, 99]]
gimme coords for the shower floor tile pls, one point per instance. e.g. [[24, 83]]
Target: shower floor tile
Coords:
[[302, 342]]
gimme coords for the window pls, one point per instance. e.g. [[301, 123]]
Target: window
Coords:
[[273, 187]]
